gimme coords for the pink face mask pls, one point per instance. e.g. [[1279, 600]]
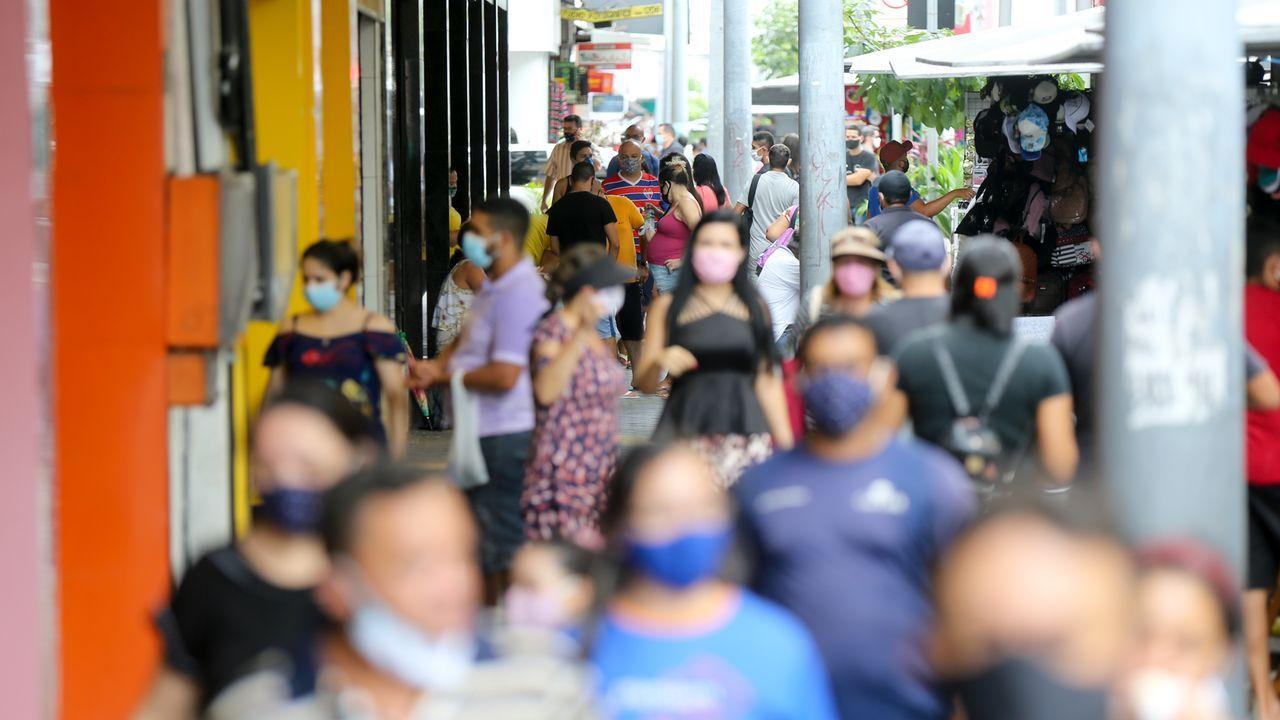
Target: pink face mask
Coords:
[[855, 279], [716, 265]]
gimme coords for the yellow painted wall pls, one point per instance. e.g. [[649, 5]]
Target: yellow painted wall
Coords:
[[340, 74]]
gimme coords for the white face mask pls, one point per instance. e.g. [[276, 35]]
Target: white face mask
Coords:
[[1157, 695], [609, 300], [401, 650]]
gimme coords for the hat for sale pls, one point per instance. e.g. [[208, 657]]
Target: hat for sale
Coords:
[[603, 273], [1075, 109], [918, 245], [988, 131], [1044, 92], [856, 242], [1033, 131], [892, 151], [1011, 134]]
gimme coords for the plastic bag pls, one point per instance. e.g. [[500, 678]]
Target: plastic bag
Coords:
[[466, 461]]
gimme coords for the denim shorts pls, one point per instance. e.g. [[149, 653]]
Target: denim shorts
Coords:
[[664, 280]]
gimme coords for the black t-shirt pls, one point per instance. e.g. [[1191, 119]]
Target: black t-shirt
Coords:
[[887, 223], [855, 161], [579, 217], [892, 323], [977, 353], [226, 622]]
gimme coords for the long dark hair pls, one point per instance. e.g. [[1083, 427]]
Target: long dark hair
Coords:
[[742, 285], [985, 260], [707, 174], [671, 173]]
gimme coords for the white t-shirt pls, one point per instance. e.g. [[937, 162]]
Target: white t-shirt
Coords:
[[775, 193], [779, 285]]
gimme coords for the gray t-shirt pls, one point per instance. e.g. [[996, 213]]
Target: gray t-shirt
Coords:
[[775, 193], [892, 323]]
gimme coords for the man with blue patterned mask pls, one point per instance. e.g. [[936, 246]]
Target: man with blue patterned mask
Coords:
[[853, 506]]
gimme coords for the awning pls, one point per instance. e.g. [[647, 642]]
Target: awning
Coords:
[[784, 90], [1069, 43]]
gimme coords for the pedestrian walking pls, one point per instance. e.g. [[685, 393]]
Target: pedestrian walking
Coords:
[[857, 281], [895, 155], [712, 336], [706, 177], [581, 152], [633, 134], [847, 527], [560, 162], [918, 261], [768, 196], [338, 342], [670, 234], [973, 379], [577, 384], [492, 356], [862, 167], [676, 641], [779, 282], [894, 191], [249, 605]]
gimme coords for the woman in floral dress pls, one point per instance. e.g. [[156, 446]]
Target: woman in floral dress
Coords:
[[577, 384]]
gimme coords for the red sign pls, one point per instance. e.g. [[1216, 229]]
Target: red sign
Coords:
[[599, 82], [853, 105], [605, 55]]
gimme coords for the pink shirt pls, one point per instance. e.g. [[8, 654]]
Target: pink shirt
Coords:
[[709, 201], [669, 239]]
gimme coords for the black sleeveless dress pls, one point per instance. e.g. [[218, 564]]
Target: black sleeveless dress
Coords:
[[715, 404]]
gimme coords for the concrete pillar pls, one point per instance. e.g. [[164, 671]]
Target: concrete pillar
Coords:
[[1171, 396], [823, 201], [679, 80], [737, 97], [715, 86]]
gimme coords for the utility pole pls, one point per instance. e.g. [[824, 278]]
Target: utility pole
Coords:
[[715, 85], [678, 80], [1171, 342], [824, 204], [1006, 12], [737, 97]]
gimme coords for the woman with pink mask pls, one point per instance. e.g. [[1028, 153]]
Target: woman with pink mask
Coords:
[[712, 335], [857, 280]]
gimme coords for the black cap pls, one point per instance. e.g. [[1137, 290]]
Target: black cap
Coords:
[[603, 273], [895, 187]]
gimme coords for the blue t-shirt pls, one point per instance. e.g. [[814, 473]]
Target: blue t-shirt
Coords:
[[758, 663], [850, 549], [873, 201]]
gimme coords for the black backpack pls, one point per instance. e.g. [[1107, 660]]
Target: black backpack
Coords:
[[749, 215]]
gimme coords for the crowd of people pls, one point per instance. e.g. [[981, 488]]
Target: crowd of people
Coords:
[[876, 501]]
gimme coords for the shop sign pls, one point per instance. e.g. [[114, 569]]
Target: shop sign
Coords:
[[853, 105], [605, 55], [599, 82], [599, 16]]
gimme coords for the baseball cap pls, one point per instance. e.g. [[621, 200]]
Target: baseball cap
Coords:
[[1045, 92], [1075, 109], [893, 151], [895, 186], [856, 242], [918, 245], [1011, 133], [1033, 131], [603, 273]]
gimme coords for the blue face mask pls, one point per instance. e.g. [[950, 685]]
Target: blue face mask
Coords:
[[683, 560], [293, 510], [453, 191], [835, 402], [323, 296], [475, 249]]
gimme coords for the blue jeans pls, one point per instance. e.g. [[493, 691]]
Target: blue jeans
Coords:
[[606, 328], [664, 280], [496, 504]]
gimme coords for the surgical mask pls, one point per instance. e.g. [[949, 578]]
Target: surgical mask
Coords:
[[716, 266], [609, 300], [1020, 688], [476, 249], [835, 402], [293, 510], [401, 650], [1158, 695], [631, 165], [855, 279], [683, 560], [529, 608], [570, 135], [323, 296], [453, 190]]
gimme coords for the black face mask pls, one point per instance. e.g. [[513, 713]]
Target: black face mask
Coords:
[[570, 135], [853, 145], [1020, 688]]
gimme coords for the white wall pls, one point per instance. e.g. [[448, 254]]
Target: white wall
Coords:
[[534, 26], [529, 92]]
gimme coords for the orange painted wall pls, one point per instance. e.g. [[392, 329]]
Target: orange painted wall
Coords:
[[110, 494]]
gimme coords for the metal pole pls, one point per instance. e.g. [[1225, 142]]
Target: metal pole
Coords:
[[1006, 12], [662, 107], [1172, 396], [679, 108], [715, 85], [737, 97], [823, 201], [931, 14]]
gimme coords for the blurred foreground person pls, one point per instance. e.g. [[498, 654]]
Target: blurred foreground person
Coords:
[[983, 393], [406, 590], [1188, 622], [577, 385], [354, 351], [248, 606], [712, 335], [847, 528], [1035, 617], [676, 641]]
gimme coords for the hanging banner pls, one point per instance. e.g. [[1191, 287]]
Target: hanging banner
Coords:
[[615, 56], [598, 16]]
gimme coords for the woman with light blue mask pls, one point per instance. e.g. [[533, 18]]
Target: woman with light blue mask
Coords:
[[678, 641], [352, 350]]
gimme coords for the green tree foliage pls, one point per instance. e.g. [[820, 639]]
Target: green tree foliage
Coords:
[[937, 103]]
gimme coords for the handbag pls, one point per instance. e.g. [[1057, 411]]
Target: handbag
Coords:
[[466, 461]]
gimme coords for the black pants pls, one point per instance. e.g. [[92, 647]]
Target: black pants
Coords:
[[496, 504], [631, 317]]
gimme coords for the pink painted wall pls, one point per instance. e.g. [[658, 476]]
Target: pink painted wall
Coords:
[[23, 651]]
